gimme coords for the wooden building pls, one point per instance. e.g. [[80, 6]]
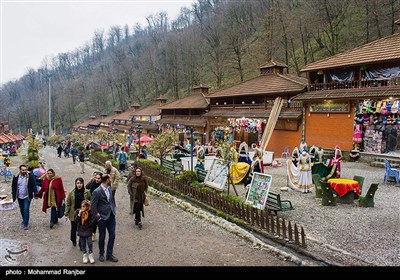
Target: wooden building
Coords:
[[353, 98], [240, 112]]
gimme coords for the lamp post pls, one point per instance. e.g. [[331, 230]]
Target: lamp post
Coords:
[[49, 79], [191, 149], [138, 130]]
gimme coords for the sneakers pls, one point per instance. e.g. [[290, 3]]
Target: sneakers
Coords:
[[26, 228], [51, 224], [94, 236], [136, 222], [91, 258], [85, 258], [101, 258], [140, 225]]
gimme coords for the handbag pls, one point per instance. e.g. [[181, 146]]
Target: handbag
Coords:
[[146, 201], [61, 210]]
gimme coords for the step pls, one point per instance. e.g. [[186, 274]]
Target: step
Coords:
[[391, 161], [382, 164]]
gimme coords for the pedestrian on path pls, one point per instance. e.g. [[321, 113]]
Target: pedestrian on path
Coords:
[[93, 184], [103, 208], [53, 193], [137, 188], [113, 172], [81, 156], [85, 222], [73, 203], [23, 188]]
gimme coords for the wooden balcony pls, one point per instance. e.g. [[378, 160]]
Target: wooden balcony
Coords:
[[354, 84]]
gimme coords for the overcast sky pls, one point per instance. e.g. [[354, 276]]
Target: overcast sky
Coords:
[[32, 29]]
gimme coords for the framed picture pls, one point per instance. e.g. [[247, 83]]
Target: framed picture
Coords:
[[259, 188], [217, 175]]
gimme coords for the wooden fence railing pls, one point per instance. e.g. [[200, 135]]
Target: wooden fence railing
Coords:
[[276, 226]]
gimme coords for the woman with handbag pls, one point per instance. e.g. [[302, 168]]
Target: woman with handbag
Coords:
[[73, 203], [137, 188], [53, 193]]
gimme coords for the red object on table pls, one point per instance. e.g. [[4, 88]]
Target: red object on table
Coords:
[[343, 186]]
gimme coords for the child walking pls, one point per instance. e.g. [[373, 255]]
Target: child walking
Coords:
[[86, 222]]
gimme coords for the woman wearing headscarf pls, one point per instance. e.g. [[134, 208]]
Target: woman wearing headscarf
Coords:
[[74, 200], [53, 193], [137, 188]]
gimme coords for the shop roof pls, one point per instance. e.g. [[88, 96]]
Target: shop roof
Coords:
[[271, 84], [152, 110], [194, 101], [382, 50]]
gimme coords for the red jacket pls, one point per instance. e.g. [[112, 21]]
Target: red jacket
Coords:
[[57, 185]]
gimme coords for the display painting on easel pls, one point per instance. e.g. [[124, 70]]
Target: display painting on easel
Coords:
[[259, 188], [217, 175]]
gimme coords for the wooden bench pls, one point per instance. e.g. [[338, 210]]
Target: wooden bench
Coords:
[[368, 199], [275, 204], [201, 175], [173, 165]]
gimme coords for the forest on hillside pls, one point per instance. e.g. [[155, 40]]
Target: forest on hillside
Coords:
[[217, 43]]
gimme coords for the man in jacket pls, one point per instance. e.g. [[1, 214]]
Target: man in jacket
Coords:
[[23, 188], [103, 209]]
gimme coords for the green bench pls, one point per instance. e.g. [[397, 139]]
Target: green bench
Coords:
[[201, 175], [173, 165], [275, 204]]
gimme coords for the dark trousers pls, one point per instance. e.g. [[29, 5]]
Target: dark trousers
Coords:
[[110, 226], [53, 215], [24, 205], [74, 226], [136, 209], [82, 244]]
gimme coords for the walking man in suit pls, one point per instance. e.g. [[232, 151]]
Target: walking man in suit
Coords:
[[103, 208]]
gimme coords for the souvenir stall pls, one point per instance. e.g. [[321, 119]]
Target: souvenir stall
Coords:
[[376, 125]]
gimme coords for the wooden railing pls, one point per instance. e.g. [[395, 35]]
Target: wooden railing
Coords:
[[354, 84], [277, 227]]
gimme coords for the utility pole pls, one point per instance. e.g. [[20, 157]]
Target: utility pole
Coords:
[[50, 129]]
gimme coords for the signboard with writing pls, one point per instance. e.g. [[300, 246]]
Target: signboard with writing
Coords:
[[330, 107]]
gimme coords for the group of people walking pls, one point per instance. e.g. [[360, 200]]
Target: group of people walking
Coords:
[[88, 208]]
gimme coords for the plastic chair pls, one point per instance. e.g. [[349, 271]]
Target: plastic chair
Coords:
[[391, 172], [286, 152]]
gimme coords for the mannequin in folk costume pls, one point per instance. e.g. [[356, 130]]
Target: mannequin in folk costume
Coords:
[[357, 137], [295, 155], [300, 177], [200, 158], [239, 170], [244, 153], [256, 166], [303, 146], [313, 152], [337, 160]]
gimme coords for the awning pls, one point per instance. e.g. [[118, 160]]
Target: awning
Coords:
[[252, 114], [360, 93], [198, 123]]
